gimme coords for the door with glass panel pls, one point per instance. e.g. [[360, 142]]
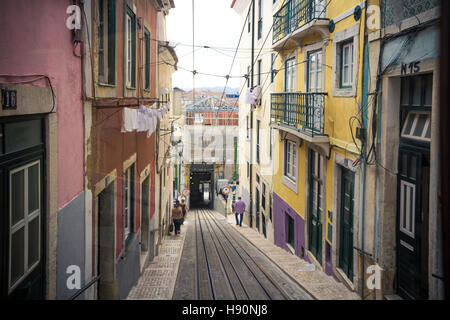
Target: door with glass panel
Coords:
[[258, 208], [289, 113], [347, 200], [25, 222], [413, 187], [314, 83], [22, 218], [409, 223]]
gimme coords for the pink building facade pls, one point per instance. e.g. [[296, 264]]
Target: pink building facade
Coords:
[[42, 151]]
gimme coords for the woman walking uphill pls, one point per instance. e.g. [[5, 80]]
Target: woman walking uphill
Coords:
[[177, 216]]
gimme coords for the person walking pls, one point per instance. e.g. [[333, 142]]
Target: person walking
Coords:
[[239, 208], [177, 216], [184, 208]]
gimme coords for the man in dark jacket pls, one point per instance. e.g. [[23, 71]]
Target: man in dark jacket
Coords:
[[184, 207]]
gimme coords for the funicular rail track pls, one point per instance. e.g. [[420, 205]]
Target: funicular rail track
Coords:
[[229, 267]]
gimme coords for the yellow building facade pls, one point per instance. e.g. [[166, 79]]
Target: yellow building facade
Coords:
[[316, 108]]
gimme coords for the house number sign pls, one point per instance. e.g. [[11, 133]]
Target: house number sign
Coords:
[[9, 99], [410, 68]]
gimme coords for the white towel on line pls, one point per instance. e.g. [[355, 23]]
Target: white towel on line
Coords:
[[130, 122]]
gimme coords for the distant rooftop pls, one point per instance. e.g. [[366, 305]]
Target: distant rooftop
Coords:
[[210, 104]]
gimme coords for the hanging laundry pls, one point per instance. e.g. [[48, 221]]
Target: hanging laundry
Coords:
[[159, 114], [150, 122], [253, 96], [142, 119], [152, 126], [130, 122]]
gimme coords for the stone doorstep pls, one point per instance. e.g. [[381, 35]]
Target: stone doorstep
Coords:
[[320, 281]]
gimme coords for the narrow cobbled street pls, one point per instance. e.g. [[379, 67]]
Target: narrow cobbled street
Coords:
[[212, 259], [219, 263], [322, 124]]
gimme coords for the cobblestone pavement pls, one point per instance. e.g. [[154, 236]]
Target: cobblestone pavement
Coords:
[[314, 281], [218, 263], [157, 282]]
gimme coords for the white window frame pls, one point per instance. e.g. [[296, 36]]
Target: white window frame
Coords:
[[408, 213], [129, 49], [290, 78], [290, 164], [318, 71], [349, 65], [24, 223], [104, 77], [341, 39], [416, 115]]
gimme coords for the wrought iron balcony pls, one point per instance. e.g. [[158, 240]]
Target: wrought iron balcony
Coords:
[[295, 14], [300, 111]]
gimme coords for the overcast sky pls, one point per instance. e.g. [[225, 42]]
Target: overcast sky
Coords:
[[216, 25]]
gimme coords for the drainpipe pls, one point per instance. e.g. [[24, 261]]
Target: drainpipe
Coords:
[[362, 198], [362, 202]]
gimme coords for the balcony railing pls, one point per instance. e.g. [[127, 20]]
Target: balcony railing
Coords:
[[295, 14], [300, 110]]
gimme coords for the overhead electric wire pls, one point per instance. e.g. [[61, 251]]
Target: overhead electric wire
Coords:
[[235, 53], [267, 36], [231, 49], [193, 55]]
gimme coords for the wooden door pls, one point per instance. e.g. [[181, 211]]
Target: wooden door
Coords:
[[409, 224], [315, 205], [346, 223]]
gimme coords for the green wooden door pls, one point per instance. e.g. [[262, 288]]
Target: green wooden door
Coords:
[[315, 206], [23, 214], [346, 224], [409, 224], [258, 208]]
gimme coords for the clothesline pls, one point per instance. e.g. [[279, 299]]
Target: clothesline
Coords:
[[143, 119]]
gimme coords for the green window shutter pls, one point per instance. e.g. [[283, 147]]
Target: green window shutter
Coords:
[[112, 41]]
